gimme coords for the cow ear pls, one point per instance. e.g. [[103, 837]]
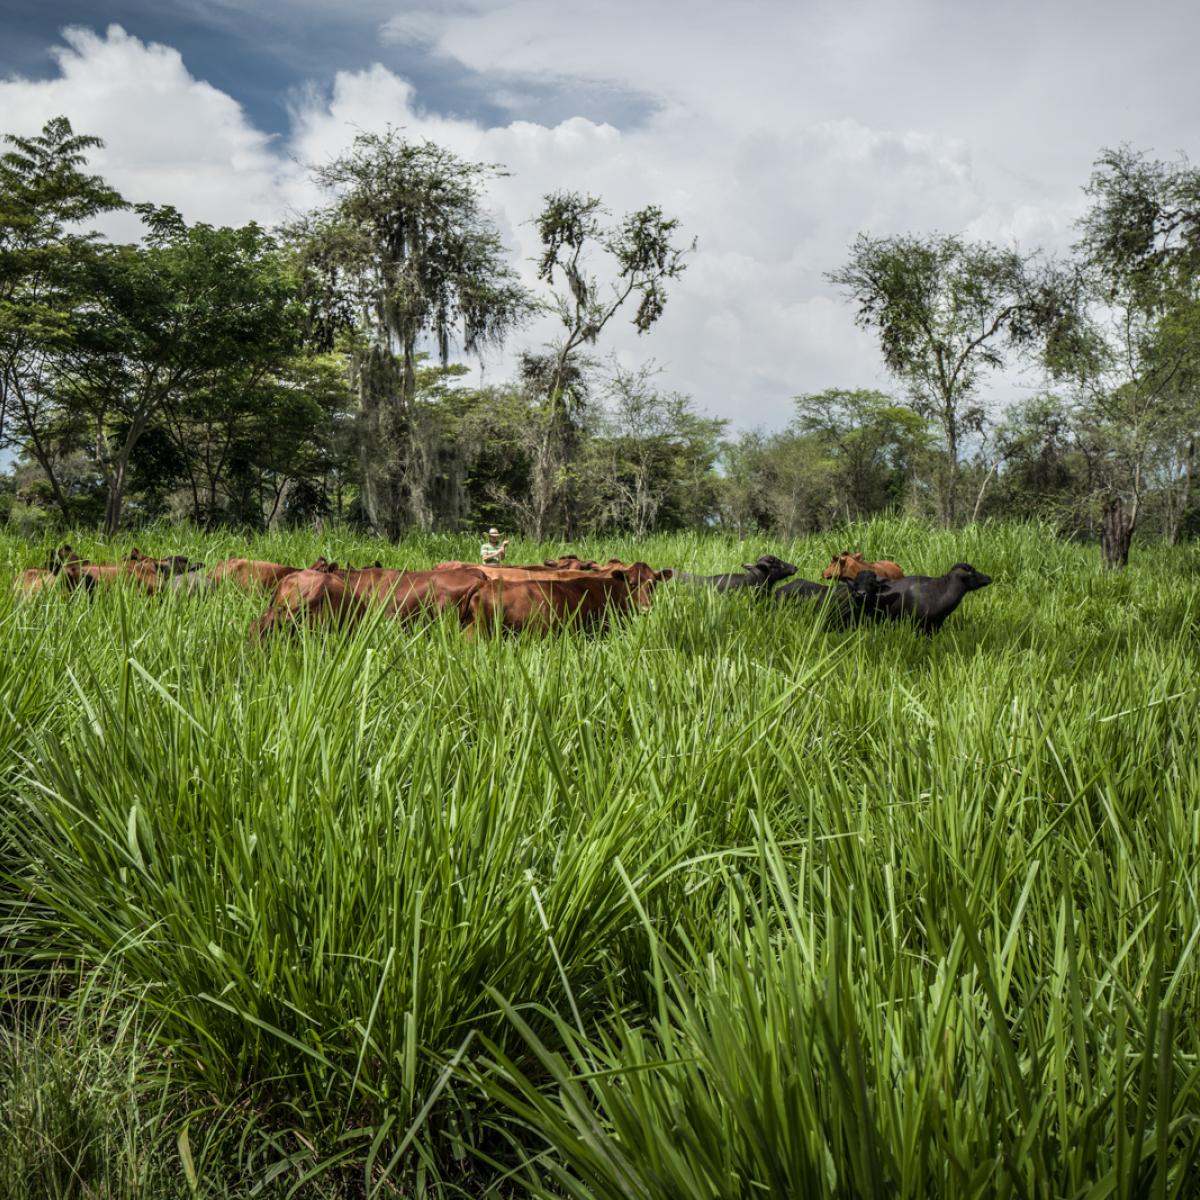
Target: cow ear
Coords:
[[619, 574], [749, 566], [666, 573]]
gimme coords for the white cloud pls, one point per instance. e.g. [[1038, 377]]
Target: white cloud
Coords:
[[751, 323], [169, 138]]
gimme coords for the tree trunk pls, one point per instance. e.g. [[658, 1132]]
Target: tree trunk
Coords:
[[1178, 510], [1116, 533], [545, 469], [982, 490], [949, 504], [115, 501], [42, 453], [120, 475], [383, 437]]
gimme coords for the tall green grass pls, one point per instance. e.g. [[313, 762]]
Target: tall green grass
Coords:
[[715, 904]]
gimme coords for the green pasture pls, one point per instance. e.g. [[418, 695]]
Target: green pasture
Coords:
[[714, 904]]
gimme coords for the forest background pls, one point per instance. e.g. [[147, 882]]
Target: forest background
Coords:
[[318, 371]]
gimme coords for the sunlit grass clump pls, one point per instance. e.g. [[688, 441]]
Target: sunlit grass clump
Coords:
[[715, 904]]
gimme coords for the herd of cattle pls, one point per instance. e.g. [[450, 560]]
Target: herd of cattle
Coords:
[[540, 596]]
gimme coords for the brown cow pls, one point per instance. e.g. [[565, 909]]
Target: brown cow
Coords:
[[408, 594], [847, 566], [251, 574], [311, 596], [543, 602], [566, 562], [63, 569], [455, 564], [35, 580], [538, 571], [136, 568], [346, 596]]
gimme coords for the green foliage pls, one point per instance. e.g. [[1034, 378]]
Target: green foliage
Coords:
[[192, 313], [641, 258], [77, 1118], [649, 464], [715, 904], [1134, 328], [877, 445], [1044, 470], [780, 483], [45, 196], [404, 251], [945, 310], [1143, 227]]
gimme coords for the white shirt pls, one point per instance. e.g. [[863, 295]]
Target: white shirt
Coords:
[[490, 553]]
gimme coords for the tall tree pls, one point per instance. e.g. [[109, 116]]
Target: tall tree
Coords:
[[404, 254], [188, 308], [46, 196], [945, 310], [640, 258], [1133, 349]]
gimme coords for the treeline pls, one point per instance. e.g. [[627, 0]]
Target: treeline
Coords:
[[257, 378]]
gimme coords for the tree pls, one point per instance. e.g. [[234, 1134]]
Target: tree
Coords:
[[1132, 335], [403, 254], [874, 443], [1038, 465], [191, 306], [251, 438], [45, 198], [649, 463], [641, 259], [781, 483], [945, 310]]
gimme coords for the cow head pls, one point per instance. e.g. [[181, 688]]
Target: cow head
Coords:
[[769, 569], [64, 556], [176, 564], [844, 566], [970, 579], [640, 579], [864, 586]]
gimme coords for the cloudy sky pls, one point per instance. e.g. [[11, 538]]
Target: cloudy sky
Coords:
[[773, 129]]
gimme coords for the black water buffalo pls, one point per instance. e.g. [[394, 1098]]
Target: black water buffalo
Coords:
[[847, 603], [928, 600], [762, 574]]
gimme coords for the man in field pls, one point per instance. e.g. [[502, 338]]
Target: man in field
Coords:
[[492, 551]]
